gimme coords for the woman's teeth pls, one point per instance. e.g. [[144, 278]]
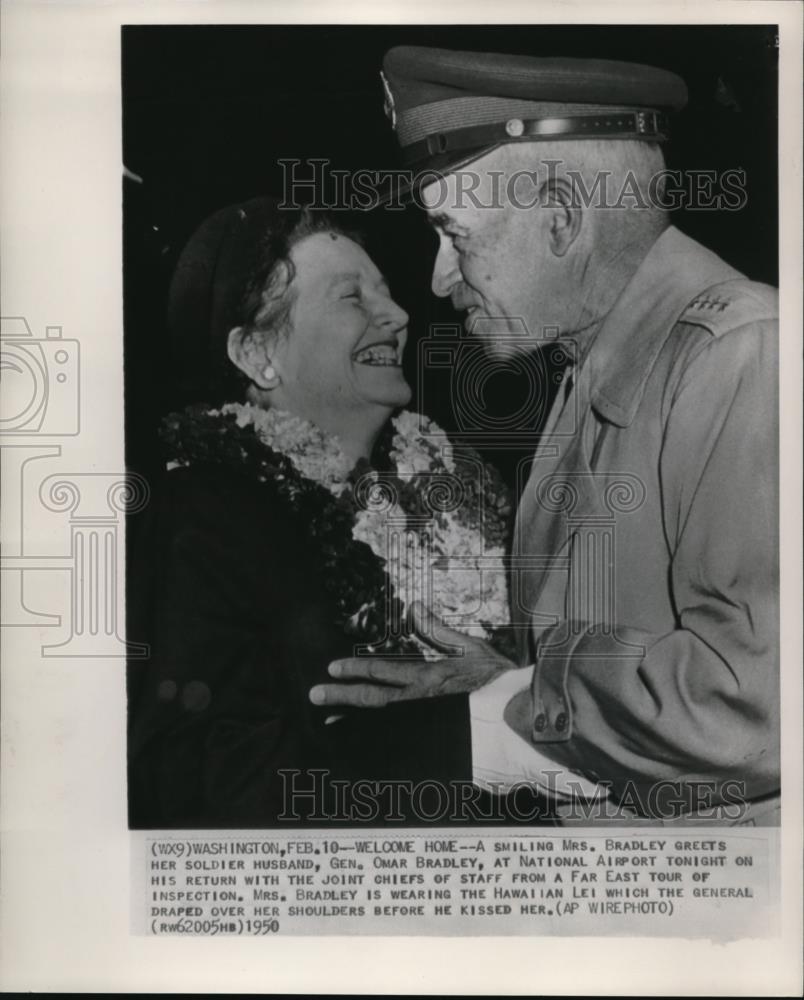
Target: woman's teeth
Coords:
[[380, 355]]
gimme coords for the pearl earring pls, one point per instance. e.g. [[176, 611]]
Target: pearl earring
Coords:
[[269, 373]]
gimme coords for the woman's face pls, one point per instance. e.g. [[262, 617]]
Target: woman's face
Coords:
[[343, 355]]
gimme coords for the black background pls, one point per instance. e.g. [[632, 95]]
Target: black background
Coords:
[[208, 111]]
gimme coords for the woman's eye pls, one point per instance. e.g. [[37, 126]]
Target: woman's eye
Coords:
[[351, 295]]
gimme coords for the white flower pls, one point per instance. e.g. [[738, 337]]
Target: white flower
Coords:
[[314, 454], [420, 445], [444, 569]]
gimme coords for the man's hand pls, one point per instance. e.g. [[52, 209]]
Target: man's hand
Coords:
[[403, 680]]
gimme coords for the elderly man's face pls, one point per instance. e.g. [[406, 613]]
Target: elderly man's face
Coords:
[[494, 259]]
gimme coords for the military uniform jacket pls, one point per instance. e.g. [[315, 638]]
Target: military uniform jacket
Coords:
[[647, 541]]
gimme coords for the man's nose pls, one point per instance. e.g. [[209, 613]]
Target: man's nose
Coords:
[[445, 270]]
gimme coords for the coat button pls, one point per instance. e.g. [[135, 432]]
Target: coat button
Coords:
[[167, 690], [539, 723], [561, 721], [196, 696]]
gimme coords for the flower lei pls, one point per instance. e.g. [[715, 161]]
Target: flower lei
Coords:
[[426, 522]]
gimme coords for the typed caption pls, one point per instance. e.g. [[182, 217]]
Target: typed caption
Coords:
[[658, 882]]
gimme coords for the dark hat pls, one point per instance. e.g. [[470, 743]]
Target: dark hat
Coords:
[[448, 108], [208, 288]]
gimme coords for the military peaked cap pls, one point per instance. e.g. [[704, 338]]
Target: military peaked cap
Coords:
[[447, 108]]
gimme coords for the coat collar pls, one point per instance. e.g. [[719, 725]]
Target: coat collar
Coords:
[[675, 270]]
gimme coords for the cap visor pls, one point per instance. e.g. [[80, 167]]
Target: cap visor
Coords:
[[438, 167]]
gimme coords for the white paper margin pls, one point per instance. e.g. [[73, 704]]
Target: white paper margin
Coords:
[[65, 874]]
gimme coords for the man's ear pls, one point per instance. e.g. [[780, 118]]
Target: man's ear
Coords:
[[565, 214], [251, 357]]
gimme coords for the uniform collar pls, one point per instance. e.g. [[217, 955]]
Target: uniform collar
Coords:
[[675, 270]]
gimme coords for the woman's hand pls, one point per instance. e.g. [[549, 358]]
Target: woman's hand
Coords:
[[469, 663]]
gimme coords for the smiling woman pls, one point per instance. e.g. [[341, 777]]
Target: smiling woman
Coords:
[[342, 368], [252, 576]]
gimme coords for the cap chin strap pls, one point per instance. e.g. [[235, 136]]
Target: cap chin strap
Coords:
[[648, 126]]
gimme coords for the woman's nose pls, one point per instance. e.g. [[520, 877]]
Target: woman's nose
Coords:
[[446, 273], [389, 313]]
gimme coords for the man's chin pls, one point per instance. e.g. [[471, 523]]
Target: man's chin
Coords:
[[500, 336], [487, 326]]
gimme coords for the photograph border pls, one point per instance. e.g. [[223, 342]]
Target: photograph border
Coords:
[[66, 862]]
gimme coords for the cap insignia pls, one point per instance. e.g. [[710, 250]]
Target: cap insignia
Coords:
[[389, 107]]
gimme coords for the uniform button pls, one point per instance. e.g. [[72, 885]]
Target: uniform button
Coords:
[[561, 721], [539, 723]]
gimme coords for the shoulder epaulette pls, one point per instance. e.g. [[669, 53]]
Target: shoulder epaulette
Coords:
[[732, 304]]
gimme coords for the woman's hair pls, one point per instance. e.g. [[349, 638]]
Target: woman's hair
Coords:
[[269, 293], [236, 271]]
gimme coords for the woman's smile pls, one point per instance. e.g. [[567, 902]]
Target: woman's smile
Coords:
[[383, 354]]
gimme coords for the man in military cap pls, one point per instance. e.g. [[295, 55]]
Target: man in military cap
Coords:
[[645, 580]]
